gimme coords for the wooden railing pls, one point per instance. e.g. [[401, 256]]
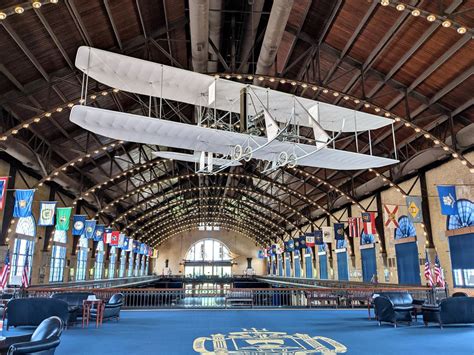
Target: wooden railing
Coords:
[[103, 283], [262, 297]]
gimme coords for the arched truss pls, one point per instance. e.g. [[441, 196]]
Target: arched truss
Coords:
[[258, 231], [191, 227], [152, 219], [254, 233]]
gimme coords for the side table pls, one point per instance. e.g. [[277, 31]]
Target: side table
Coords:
[[87, 306]]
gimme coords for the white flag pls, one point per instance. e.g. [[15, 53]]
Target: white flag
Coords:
[[47, 209], [328, 234]]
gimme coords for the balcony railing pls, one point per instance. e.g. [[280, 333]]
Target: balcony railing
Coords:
[[219, 297]]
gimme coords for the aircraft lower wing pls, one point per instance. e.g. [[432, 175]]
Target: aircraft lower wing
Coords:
[[159, 80], [141, 129], [193, 158]]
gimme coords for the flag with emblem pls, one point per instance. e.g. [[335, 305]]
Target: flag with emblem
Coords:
[[390, 214], [447, 200], [414, 209], [289, 245], [126, 242], [339, 231], [318, 237], [296, 243], [130, 244], [78, 224], [5, 273], [355, 226], [302, 242], [46, 216], [438, 273], [310, 242], [23, 203], [3, 191], [121, 240], [63, 215], [368, 222], [89, 228], [99, 232], [427, 272], [328, 234], [114, 238]]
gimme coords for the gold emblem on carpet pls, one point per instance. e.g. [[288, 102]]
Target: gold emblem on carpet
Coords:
[[263, 341]]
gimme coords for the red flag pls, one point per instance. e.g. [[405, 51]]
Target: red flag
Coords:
[[114, 240], [439, 278], [3, 191], [368, 220], [5, 273], [428, 275], [25, 276]]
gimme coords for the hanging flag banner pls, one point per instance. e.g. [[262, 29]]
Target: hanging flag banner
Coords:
[[99, 232], [78, 224], [136, 246], [279, 249], [89, 228], [447, 200], [150, 252], [155, 253], [261, 254], [63, 214], [114, 238], [390, 216], [318, 237], [339, 231], [23, 203], [46, 216], [107, 235], [414, 209], [355, 226], [327, 234], [310, 242], [130, 244], [126, 242], [3, 191], [302, 242], [368, 222], [290, 245], [121, 239]]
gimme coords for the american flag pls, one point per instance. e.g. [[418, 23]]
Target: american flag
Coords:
[[428, 275], [25, 276], [439, 279], [354, 226], [5, 273]]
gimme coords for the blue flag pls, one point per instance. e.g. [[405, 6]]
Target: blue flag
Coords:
[[339, 231], [290, 245], [78, 224], [125, 245], [136, 246], [447, 200], [89, 228], [99, 232], [23, 203], [318, 237], [302, 242]]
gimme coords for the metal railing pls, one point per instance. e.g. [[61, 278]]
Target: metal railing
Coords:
[[259, 297]]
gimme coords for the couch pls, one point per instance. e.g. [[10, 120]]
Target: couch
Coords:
[[112, 307], [74, 301], [43, 341], [32, 311], [393, 307], [456, 310]]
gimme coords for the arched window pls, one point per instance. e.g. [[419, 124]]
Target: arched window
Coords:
[[123, 260], [465, 216], [99, 261], [58, 256], [82, 258], [208, 257], [130, 264], [366, 238], [112, 261], [23, 248], [405, 228]]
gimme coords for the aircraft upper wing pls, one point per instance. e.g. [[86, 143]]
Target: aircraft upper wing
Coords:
[[159, 80], [141, 129]]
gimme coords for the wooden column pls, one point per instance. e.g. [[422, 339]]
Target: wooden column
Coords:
[[9, 204], [425, 209], [379, 224]]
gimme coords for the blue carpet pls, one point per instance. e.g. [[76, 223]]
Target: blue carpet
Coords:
[[173, 332]]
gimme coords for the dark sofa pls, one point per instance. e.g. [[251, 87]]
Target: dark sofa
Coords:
[[32, 311], [393, 307], [456, 310], [74, 301]]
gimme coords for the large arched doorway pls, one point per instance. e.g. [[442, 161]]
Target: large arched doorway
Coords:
[[208, 257]]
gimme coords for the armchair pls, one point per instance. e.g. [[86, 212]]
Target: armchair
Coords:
[[43, 341], [112, 307], [387, 311]]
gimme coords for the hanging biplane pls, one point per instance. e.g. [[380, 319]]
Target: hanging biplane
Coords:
[[215, 142]]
